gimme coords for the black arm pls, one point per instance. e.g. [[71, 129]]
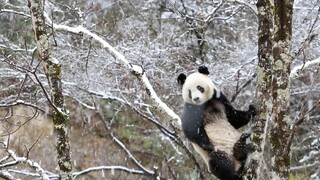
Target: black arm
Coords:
[[235, 117], [193, 126]]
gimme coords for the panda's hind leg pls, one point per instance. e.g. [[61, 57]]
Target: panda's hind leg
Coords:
[[222, 166], [241, 149]]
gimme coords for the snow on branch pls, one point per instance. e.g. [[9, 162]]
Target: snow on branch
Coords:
[[295, 72], [15, 12], [135, 69], [101, 168], [24, 160], [6, 175]]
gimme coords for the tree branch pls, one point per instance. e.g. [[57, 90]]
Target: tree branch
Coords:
[[135, 69], [112, 168], [295, 72], [24, 160]]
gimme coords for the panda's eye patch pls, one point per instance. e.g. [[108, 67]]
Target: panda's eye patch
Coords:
[[201, 89], [190, 94]]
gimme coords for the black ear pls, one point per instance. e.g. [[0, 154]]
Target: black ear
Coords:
[[181, 79], [203, 70]]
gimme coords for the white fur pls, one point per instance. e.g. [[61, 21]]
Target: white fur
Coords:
[[223, 136], [191, 83], [203, 154]]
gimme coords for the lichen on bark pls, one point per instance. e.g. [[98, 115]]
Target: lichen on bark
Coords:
[[270, 127], [52, 70]]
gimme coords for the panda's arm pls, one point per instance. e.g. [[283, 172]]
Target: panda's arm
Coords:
[[235, 117], [203, 140], [198, 136], [193, 127]]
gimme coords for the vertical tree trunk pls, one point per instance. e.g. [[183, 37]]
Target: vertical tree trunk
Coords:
[[281, 88], [264, 102], [52, 70], [270, 129]]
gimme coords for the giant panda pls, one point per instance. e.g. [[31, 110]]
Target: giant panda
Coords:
[[210, 122]]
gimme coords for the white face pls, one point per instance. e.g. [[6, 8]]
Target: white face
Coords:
[[197, 89]]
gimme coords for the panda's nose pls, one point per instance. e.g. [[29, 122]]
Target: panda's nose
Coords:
[[196, 99]]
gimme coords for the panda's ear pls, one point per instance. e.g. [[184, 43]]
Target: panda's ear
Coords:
[[181, 79], [203, 70]]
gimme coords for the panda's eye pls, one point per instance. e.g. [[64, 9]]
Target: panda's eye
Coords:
[[201, 89], [190, 94]]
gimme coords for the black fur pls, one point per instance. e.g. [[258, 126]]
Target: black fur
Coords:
[[241, 149], [193, 126], [222, 166], [203, 70], [181, 79], [235, 117]]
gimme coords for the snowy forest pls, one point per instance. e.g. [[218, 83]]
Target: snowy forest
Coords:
[[88, 88]]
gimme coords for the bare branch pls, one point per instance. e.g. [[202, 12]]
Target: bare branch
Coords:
[[110, 168], [21, 102], [134, 160]]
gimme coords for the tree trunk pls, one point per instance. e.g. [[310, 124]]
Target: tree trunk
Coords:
[[271, 129], [52, 70], [279, 136]]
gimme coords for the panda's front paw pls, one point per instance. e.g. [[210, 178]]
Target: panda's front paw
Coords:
[[244, 136], [249, 147]]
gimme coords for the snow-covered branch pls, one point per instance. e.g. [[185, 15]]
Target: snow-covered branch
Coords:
[[252, 7], [135, 69], [21, 102], [101, 168], [14, 12], [23, 160], [296, 168], [297, 70], [6, 175]]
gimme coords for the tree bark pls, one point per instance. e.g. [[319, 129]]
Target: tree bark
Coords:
[[52, 70], [270, 128], [279, 135]]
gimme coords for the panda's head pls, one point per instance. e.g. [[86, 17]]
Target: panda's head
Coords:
[[197, 88]]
